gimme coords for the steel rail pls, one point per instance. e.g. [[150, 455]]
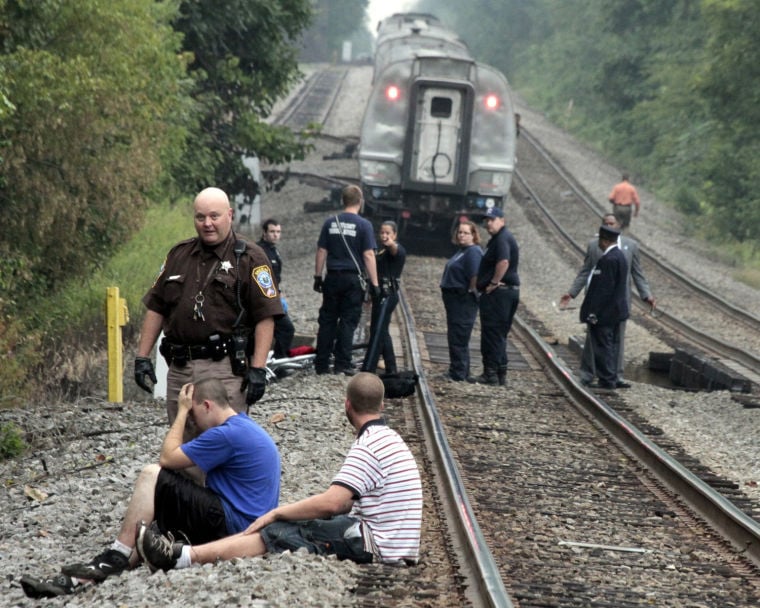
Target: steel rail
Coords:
[[303, 99], [297, 100], [479, 566], [724, 517], [677, 275], [705, 340]]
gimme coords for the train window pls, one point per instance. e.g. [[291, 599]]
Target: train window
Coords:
[[440, 107]]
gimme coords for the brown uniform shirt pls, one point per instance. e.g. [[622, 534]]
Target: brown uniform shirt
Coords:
[[193, 273]]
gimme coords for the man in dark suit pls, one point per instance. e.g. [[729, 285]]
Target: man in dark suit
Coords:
[[630, 249], [606, 305]]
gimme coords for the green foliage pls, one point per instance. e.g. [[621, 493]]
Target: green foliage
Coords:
[[93, 85], [63, 325], [335, 21], [19, 352], [497, 38], [243, 60], [104, 107], [730, 85], [668, 88], [132, 268], [12, 443]]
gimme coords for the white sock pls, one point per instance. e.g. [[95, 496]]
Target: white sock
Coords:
[[184, 560], [121, 548]]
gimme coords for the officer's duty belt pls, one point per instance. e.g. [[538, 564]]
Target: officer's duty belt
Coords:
[[182, 353]]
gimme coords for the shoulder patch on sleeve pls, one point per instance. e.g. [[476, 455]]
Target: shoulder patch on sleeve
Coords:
[[160, 271], [262, 276]]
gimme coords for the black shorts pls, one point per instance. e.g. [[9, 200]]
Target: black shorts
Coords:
[[182, 507]]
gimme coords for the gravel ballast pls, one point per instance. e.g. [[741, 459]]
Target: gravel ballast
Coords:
[[64, 499]]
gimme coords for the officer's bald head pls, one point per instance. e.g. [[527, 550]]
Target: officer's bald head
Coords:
[[212, 216]]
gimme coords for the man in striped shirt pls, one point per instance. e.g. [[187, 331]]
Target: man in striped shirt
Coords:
[[372, 510]]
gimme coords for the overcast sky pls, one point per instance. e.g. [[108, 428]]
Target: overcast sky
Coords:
[[379, 9]]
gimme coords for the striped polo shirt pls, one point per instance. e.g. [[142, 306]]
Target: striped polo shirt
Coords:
[[382, 474]]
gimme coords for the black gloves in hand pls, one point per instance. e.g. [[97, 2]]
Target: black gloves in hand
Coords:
[[318, 283], [256, 382], [144, 367], [375, 292]]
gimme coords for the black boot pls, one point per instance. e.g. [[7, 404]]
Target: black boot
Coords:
[[501, 376], [488, 376]]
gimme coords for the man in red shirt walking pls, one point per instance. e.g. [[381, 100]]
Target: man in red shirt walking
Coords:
[[623, 197]]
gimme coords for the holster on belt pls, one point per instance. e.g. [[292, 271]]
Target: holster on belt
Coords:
[[389, 285], [171, 354], [238, 353], [215, 349]]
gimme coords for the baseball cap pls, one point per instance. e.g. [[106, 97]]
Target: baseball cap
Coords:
[[494, 212]]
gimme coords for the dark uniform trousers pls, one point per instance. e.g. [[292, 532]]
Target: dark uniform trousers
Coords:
[[604, 344], [339, 315], [461, 312], [385, 348], [283, 336], [588, 366], [497, 309]]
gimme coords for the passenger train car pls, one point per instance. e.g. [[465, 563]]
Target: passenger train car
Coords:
[[438, 135]]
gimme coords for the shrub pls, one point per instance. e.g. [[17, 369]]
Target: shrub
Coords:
[[11, 442]]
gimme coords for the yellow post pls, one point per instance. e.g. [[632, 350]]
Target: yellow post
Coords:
[[117, 316]]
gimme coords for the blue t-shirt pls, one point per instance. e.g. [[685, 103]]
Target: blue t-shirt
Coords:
[[461, 267], [502, 246], [358, 235], [242, 467]]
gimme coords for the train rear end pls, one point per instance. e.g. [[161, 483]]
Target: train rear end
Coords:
[[437, 143]]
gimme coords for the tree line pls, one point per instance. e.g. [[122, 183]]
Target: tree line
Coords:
[[669, 88], [107, 107]]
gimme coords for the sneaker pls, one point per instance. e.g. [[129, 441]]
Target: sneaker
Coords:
[[108, 563], [52, 587], [158, 551]]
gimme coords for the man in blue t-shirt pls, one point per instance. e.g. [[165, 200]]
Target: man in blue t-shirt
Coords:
[[346, 247], [242, 468]]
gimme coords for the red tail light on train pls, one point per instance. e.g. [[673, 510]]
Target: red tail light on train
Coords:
[[492, 102], [392, 93]]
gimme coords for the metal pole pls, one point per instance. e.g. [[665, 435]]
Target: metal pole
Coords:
[[117, 316]]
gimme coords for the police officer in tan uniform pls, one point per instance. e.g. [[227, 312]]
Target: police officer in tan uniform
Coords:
[[216, 301]]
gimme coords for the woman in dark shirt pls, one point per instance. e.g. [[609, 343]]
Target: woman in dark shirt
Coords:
[[390, 257], [460, 298]]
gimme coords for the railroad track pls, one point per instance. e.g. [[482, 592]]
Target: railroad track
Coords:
[[553, 499], [314, 101], [568, 515], [690, 312]]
